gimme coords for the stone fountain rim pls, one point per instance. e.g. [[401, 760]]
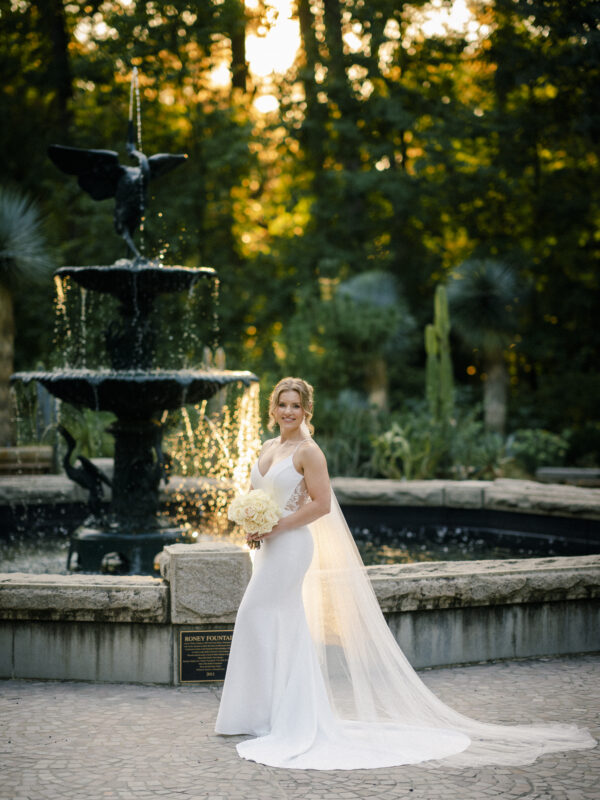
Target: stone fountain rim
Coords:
[[125, 265], [97, 376]]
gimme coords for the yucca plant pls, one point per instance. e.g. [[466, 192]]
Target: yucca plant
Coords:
[[23, 258], [484, 297], [374, 306]]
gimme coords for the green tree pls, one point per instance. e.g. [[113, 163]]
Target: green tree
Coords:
[[526, 187], [392, 151]]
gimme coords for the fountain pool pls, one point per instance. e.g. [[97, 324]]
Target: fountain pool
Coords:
[[37, 540]]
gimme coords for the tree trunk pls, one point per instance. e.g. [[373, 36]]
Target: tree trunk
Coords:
[[494, 396], [316, 113], [54, 24], [377, 382], [239, 65], [7, 341], [332, 13]]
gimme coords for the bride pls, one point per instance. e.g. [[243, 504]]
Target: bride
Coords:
[[314, 675]]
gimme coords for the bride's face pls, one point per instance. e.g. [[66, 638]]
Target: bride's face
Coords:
[[289, 413]]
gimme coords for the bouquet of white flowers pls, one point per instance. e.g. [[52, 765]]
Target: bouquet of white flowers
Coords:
[[255, 512]]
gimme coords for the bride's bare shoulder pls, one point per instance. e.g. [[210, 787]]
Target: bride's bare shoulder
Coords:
[[310, 452], [268, 444], [309, 444]]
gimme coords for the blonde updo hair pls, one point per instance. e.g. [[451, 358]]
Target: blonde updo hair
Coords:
[[304, 389]]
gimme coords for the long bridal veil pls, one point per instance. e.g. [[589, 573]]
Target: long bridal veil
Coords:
[[367, 676]]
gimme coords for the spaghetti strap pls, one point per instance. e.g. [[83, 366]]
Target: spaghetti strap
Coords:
[[300, 443]]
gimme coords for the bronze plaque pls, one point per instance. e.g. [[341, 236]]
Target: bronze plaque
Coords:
[[203, 655]]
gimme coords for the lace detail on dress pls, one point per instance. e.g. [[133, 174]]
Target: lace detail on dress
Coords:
[[298, 497]]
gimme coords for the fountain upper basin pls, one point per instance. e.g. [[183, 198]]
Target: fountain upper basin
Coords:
[[145, 278]]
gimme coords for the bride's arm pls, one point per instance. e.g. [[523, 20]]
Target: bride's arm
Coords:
[[316, 477]]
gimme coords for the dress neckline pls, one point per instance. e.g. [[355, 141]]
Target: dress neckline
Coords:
[[280, 460]]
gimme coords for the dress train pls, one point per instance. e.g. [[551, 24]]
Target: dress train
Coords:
[[316, 677]]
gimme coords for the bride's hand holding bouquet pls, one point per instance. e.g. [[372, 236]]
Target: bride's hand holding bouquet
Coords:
[[257, 514]]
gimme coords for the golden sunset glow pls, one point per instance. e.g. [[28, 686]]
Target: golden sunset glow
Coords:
[[272, 50]]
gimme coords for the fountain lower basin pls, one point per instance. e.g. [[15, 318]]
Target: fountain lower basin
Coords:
[[134, 394]]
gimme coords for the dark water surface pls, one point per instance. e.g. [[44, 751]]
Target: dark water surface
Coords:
[[39, 542], [405, 535]]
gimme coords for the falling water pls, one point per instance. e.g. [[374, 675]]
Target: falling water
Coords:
[[138, 331], [62, 329], [247, 442], [134, 94], [215, 320], [188, 426], [221, 443], [131, 91], [82, 327]]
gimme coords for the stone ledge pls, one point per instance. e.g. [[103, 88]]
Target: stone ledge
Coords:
[[29, 459], [575, 476], [32, 490], [384, 492], [461, 584], [530, 497], [503, 494], [207, 580], [83, 598], [204, 583], [38, 490]]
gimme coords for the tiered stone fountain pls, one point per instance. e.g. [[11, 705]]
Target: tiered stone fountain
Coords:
[[132, 385]]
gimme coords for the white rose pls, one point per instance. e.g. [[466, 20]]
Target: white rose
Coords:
[[256, 512]]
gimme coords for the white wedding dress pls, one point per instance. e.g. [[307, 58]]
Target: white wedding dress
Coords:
[[316, 677]]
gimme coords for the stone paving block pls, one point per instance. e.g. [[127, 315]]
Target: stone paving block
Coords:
[[530, 497], [502, 494], [464, 494], [453, 584], [83, 598], [367, 491], [207, 580]]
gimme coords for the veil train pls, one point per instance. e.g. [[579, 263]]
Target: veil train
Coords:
[[369, 679]]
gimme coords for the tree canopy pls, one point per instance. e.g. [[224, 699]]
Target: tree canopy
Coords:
[[391, 151]]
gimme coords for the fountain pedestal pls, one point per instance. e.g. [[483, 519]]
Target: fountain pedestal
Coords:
[[112, 550]]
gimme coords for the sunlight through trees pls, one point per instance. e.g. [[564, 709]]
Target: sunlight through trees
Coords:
[[326, 139]]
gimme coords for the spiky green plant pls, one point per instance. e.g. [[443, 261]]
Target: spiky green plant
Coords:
[[484, 296], [23, 257], [375, 295], [439, 381]]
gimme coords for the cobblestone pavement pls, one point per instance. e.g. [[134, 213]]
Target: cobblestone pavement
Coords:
[[84, 741]]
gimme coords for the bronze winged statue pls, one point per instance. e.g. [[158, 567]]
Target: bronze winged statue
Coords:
[[101, 176]]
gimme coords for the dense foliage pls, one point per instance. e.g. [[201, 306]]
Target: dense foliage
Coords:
[[391, 152]]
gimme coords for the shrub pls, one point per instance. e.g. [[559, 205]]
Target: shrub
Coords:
[[476, 453], [350, 425], [412, 448], [535, 447], [416, 446], [584, 445]]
